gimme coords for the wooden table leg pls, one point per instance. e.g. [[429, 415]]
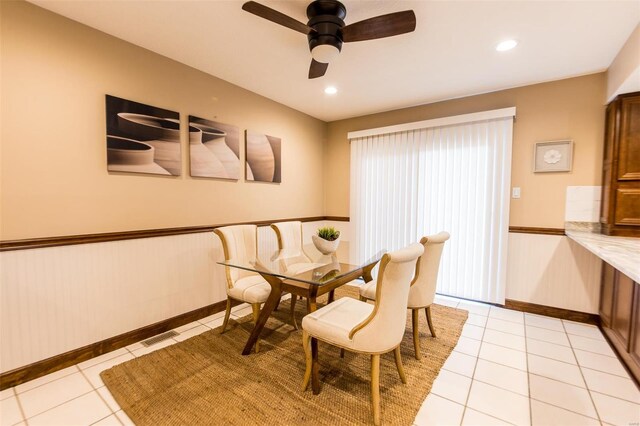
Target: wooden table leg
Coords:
[[293, 300], [315, 380], [312, 305], [265, 313], [331, 296], [279, 300]]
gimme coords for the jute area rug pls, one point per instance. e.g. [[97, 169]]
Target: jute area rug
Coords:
[[206, 381]]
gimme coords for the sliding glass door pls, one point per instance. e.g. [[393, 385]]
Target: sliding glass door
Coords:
[[454, 178]]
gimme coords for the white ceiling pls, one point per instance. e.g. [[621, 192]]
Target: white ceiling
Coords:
[[451, 53]]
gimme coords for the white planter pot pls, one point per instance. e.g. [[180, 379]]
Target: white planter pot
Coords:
[[324, 246]]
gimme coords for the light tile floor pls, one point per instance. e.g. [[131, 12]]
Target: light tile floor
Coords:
[[508, 368], [515, 368]]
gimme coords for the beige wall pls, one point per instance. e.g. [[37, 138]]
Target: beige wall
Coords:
[[623, 76], [55, 74], [571, 108]]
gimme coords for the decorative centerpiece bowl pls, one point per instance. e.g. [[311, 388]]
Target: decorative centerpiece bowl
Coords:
[[326, 240]]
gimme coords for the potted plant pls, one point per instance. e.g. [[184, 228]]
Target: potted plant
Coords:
[[326, 239]]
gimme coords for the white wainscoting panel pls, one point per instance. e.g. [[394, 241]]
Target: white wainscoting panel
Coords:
[[58, 299], [552, 270], [53, 300]]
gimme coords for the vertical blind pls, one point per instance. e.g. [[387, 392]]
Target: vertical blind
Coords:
[[454, 178]]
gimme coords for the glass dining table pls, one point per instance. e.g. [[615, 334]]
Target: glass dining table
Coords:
[[290, 271]]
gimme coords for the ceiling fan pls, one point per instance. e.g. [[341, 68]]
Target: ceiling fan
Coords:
[[326, 29]]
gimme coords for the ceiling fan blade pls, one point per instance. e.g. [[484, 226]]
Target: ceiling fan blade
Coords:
[[317, 69], [275, 16], [380, 26]]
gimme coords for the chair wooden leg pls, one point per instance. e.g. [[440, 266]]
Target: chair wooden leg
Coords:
[[306, 345], [294, 299], [396, 353], [315, 367], [256, 314], [416, 332], [341, 353], [375, 388], [226, 316], [363, 299], [432, 329]]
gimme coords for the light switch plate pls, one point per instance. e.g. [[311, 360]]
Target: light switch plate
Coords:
[[516, 192]]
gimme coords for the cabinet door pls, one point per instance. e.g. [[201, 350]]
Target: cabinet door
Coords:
[[629, 140], [607, 290], [622, 308], [607, 164], [634, 348]]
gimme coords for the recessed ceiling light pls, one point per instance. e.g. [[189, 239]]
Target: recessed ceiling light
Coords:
[[506, 45], [330, 90]]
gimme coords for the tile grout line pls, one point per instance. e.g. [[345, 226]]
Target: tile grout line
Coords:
[[544, 356], [563, 408], [586, 385], [526, 355], [549, 378], [89, 381], [104, 360], [15, 395], [103, 400], [524, 323], [553, 343], [610, 374], [100, 396], [475, 409], [464, 409], [584, 388], [491, 415], [99, 420], [61, 404], [614, 397], [46, 383]]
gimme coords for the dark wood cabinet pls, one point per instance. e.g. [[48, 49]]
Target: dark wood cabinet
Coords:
[[634, 346], [606, 297], [620, 315], [623, 309], [620, 208]]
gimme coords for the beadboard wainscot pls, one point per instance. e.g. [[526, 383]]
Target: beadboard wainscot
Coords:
[[552, 271], [58, 299]]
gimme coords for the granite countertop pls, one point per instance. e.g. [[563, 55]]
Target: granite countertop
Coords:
[[620, 252]]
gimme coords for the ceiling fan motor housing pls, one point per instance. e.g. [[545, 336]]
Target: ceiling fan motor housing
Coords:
[[326, 17]]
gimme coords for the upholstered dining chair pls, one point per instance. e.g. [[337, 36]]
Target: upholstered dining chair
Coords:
[[239, 244], [423, 286], [289, 235], [293, 259], [362, 327]]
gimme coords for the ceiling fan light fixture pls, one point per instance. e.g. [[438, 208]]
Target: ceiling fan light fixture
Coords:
[[326, 29], [505, 45], [324, 53]]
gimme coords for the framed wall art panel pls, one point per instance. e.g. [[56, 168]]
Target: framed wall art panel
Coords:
[[552, 156], [142, 138]]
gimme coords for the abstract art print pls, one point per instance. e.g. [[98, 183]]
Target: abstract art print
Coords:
[[142, 138], [263, 158], [214, 149]]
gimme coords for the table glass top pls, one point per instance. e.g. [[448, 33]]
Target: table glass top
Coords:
[[295, 264]]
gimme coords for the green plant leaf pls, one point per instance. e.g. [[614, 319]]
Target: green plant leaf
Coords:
[[328, 233]]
